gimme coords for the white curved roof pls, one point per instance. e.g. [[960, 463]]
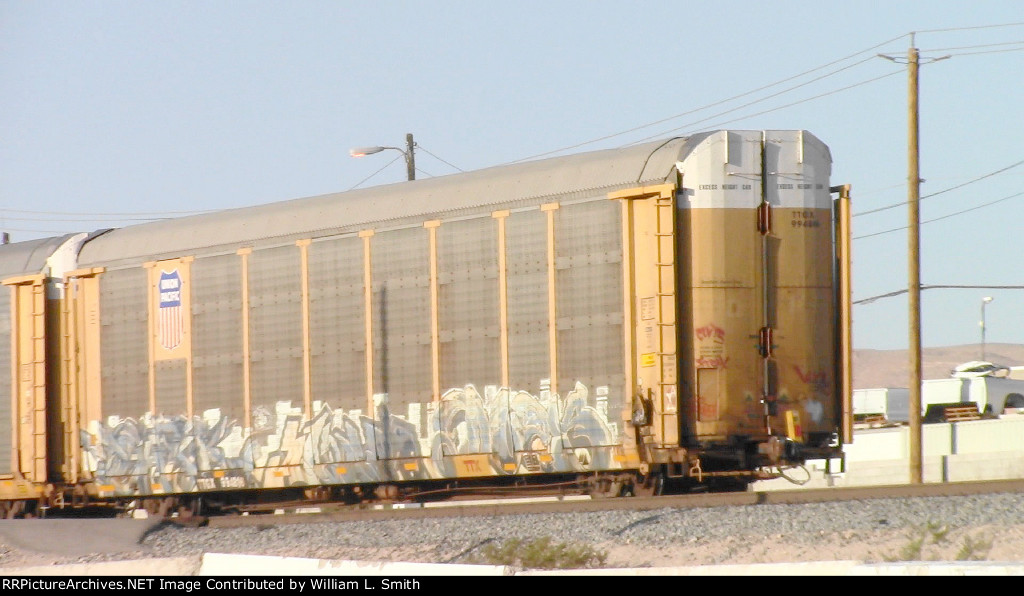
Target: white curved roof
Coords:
[[526, 183], [28, 257], [582, 175]]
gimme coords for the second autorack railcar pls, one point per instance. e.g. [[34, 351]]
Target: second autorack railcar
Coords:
[[667, 308]]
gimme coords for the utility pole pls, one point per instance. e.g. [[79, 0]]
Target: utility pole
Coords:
[[914, 259], [914, 265], [984, 303], [410, 157]]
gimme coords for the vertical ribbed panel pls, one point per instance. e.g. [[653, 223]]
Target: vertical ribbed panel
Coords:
[[275, 303], [401, 313], [170, 387], [468, 307], [217, 336], [337, 314], [125, 349], [588, 298], [527, 272], [6, 421]]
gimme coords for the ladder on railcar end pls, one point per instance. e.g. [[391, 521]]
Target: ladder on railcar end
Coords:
[[665, 235], [69, 388], [29, 360], [39, 383]]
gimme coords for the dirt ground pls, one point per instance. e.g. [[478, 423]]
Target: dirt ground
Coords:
[[987, 543]]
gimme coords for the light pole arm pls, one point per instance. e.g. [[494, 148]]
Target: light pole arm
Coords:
[[409, 153]]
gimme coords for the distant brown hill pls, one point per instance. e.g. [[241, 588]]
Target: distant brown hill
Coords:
[[889, 368]]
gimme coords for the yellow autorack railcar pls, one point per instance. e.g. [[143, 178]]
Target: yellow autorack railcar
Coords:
[[671, 311]]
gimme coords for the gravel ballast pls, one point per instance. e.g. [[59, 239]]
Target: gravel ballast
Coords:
[[981, 527]]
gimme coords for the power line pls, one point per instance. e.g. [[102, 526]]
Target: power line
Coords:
[[751, 92], [974, 208], [421, 148], [987, 45], [934, 194], [942, 217], [756, 101], [408, 153], [375, 173], [935, 287], [970, 28], [775, 109], [711, 105], [988, 52]]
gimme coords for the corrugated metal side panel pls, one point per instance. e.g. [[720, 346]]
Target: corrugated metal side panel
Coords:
[[527, 274], [401, 312], [125, 351], [217, 336], [337, 315], [170, 387], [6, 415], [468, 308], [588, 299], [275, 320]]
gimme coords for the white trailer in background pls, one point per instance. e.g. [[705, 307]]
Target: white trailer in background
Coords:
[[993, 395], [887, 402], [996, 395]]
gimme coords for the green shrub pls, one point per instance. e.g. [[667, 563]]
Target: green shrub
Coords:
[[541, 553], [974, 549], [935, 534]]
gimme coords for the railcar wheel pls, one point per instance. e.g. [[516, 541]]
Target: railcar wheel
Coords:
[[602, 487], [14, 509], [153, 507], [650, 485], [386, 492], [317, 493], [190, 513]]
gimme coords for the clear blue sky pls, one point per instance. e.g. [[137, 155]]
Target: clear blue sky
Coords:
[[112, 112]]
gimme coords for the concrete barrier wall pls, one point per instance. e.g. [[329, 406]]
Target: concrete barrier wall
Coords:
[[230, 565], [256, 565], [221, 564], [951, 452], [135, 568], [832, 568], [984, 436]]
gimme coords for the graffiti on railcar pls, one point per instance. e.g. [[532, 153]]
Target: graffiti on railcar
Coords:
[[511, 431], [159, 453]]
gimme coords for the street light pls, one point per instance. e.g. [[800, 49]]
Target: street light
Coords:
[[984, 303], [410, 158]]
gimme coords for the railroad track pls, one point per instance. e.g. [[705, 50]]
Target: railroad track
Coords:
[[330, 512]]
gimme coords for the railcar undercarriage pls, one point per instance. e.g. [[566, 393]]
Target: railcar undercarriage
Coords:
[[709, 474]]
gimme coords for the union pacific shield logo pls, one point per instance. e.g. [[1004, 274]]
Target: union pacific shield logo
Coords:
[[170, 324]]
